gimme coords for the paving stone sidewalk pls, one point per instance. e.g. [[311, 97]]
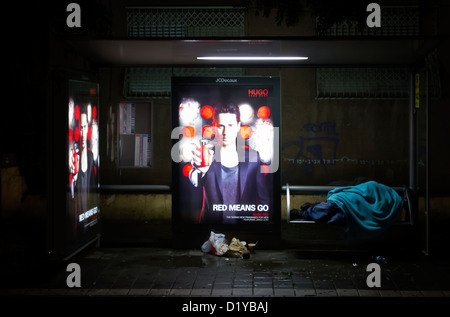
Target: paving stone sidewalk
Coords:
[[135, 271]]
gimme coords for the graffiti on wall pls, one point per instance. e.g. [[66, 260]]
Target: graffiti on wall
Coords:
[[319, 150], [313, 151]]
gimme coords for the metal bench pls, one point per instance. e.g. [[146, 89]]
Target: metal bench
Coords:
[[404, 192]]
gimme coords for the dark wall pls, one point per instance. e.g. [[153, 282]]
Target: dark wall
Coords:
[[336, 141]]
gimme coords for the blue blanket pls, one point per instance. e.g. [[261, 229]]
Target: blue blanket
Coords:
[[370, 208]]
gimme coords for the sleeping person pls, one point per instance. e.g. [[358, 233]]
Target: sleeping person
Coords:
[[365, 210]]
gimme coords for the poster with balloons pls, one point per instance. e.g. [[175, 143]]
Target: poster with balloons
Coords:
[[83, 161], [225, 151]]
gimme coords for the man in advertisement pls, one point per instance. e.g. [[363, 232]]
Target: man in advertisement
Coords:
[[85, 179], [235, 188], [82, 167]]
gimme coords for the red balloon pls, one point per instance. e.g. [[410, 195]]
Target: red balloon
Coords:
[[263, 112], [77, 112], [77, 135], [189, 131], [245, 132], [187, 170], [206, 112], [207, 132]]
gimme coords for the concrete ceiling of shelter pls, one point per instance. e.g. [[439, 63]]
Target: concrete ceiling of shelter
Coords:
[[320, 52]]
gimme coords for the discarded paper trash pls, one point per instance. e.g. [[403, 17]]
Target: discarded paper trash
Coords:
[[218, 245], [236, 248]]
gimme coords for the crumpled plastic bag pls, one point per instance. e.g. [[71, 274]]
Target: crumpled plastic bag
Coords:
[[217, 244]]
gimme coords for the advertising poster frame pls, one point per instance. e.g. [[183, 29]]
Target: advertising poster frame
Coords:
[[83, 164], [202, 198], [71, 228]]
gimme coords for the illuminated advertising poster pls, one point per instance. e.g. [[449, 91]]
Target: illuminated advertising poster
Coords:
[[225, 151], [82, 163]]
